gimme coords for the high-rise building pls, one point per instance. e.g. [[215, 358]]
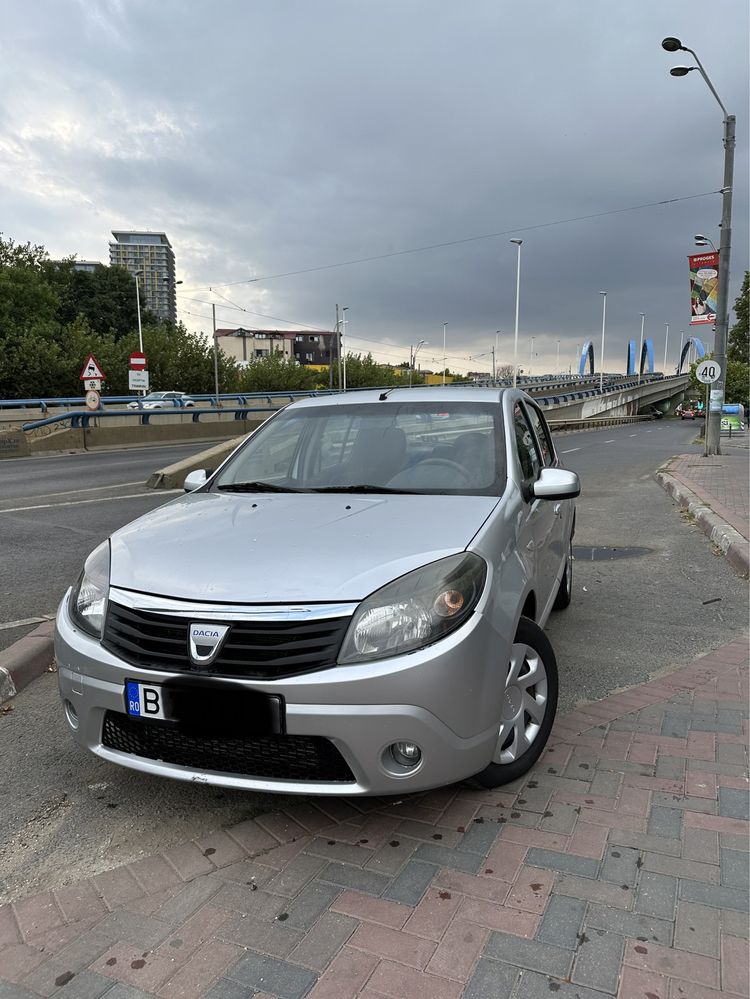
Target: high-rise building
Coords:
[[151, 257]]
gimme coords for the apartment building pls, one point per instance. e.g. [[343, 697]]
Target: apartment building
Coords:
[[303, 346], [150, 256]]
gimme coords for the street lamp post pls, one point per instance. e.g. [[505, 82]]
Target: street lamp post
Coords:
[[679, 355], [344, 321], [666, 341], [138, 308], [518, 243], [604, 326], [531, 355], [445, 327], [557, 367], [216, 354], [640, 349], [713, 416], [414, 353]]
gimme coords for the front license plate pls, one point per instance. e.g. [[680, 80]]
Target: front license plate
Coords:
[[144, 700]]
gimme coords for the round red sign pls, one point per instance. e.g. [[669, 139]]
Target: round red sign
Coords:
[[137, 361]]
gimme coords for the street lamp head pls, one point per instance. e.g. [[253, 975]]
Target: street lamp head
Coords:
[[700, 238], [681, 70], [671, 44], [602, 293], [517, 241]]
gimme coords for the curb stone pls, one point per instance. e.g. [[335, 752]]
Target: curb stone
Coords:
[[25, 660], [734, 546]]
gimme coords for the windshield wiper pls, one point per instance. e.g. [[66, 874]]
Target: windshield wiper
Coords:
[[364, 489], [256, 487]]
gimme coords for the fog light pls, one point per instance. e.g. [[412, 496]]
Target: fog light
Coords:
[[406, 754], [71, 714]]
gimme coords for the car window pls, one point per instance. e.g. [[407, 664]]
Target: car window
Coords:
[[526, 446], [541, 432], [415, 447]]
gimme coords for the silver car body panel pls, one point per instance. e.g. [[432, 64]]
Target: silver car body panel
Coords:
[[445, 697]]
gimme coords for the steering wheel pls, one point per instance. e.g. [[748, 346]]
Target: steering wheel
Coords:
[[453, 466]]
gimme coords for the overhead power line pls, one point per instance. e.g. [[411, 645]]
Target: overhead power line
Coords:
[[458, 242]]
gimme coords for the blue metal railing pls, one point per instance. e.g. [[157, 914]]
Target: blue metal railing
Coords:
[[80, 419]]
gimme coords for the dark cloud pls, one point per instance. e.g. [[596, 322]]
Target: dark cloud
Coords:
[[282, 135]]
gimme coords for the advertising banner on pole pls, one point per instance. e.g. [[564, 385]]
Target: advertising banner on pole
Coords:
[[704, 287]]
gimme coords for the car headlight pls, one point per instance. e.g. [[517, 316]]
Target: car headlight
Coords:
[[88, 598], [415, 610]]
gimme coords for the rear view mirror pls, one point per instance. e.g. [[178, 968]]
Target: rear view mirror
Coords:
[[556, 484], [195, 479]]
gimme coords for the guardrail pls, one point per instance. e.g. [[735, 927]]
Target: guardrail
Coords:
[[596, 423], [81, 419]]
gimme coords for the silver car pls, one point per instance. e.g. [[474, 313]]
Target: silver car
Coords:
[[162, 400], [351, 604]]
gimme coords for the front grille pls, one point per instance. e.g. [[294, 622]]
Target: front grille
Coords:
[[252, 649], [277, 757]]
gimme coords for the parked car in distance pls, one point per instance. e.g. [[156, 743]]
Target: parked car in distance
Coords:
[[687, 412], [162, 400], [353, 603]]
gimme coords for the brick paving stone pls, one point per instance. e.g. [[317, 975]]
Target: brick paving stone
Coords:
[[534, 799], [346, 876], [392, 945], [206, 964], [588, 840], [664, 961], [371, 909], [134, 966], [390, 859], [734, 924], [20, 959], [331, 849], [657, 895], [565, 863], [621, 865], [226, 989], [486, 888], [293, 878], [701, 845], [457, 953], [345, 976], [431, 917], [594, 891], [562, 922], [251, 837], [80, 901], [530, 954], [398, 982], [734, 869], [12, 991], [411, 883], [670, 766], [281, 826], [479, 838], [534, 986], [493, 917], [280, 978], [643, 842], [321, 944], [636, 984], [427, 832], [664, 822], [310, 904], [697, 929], [240, 898], [629, 924], [9, 929], [716, 895], [735, 975], [598, 959], [147, 905], [717, 823], [734, 804], [189, 860], [120, 990], [85, 985], [492, 980], [117, 886], [508, 814], [531, 889], [36, 914], [681, 868], [277, 939], [531, 837]]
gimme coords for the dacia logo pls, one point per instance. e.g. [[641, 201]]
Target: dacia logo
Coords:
[[205, 642]]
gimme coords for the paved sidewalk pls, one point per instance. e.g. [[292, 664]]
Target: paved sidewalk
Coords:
[[716, 490], [618, 866]]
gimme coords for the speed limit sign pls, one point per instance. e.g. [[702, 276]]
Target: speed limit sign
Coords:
[[708, 372]]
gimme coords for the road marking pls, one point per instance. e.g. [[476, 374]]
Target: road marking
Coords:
[[27, 620], [632, 435], [571, 450], [88, 489], [610, 442], [99, 499]]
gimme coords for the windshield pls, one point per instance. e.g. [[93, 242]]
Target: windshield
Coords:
[[439, 447]]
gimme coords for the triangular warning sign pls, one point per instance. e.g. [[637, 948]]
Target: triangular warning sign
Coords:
[[91, 369]]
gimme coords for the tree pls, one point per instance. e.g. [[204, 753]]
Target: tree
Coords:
[[738, 341], [363, 371], [276, 373]]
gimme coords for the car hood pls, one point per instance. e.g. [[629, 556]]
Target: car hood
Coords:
[[260, 548]]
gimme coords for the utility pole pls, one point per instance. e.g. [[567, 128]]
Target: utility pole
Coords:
[[216, 355], [666, 341], [338, 342], [445, 327], [640, 349]]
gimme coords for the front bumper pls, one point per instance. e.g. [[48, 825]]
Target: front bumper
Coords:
[[445, 698]]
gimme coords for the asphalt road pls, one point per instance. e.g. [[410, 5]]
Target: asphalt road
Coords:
[[70, 814]]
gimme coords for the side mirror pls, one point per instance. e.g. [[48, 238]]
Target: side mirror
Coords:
[[556, 484], [195, 479]]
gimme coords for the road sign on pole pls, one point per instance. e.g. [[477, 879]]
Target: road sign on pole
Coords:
[[92, 384], [137, 361], [91, 369], [137, 379], [708, 372], [93, 400]]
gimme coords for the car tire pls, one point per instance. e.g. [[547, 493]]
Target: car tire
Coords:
[[531, 653], [565, 590]]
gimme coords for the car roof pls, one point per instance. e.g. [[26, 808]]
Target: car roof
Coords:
[[436, 394]]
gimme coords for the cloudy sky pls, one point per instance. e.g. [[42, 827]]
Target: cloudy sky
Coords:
[[278, 141]]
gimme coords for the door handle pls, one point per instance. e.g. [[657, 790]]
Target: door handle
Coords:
[[558, 509]]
